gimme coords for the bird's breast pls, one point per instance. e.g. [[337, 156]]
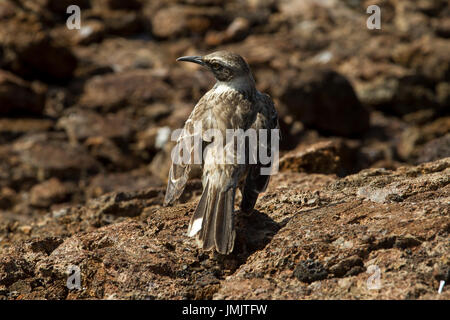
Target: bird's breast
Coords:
[[230, 109]]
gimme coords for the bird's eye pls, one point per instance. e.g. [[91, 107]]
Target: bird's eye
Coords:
[[215, 66]]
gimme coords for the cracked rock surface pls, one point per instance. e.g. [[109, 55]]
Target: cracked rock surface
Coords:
[[312, 236]]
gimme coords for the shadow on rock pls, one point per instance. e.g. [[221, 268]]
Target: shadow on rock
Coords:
[[253, 232]]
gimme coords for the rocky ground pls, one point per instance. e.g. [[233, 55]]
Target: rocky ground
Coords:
[[359, 209]]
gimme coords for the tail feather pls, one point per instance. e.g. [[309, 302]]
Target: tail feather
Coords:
[[224, 228], [206, 236], [196, 222], [212, 222]]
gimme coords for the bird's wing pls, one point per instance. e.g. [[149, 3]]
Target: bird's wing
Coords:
[[257, 181], [183, 155]]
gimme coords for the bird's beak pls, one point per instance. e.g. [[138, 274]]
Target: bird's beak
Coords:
[[194, 59]]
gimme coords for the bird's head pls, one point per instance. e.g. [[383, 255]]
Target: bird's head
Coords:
[[226, 66]]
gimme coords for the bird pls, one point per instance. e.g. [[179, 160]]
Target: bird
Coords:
[[233, 103]]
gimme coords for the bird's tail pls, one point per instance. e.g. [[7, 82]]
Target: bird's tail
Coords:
[[212, 222]]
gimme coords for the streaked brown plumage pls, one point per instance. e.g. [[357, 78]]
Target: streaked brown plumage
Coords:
[[233, 103]]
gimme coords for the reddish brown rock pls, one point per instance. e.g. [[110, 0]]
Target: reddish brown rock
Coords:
[[325, 100], [312, 237], [49, 192], [119, 5], [54, 158], [122, 182], [435, 149], [82, 124], [18, 96], [332, 156], [112, 91], [123, 54], [110, 153], [236, 31], [31, 52], [390, 233], [91, 31], [7, 197], [23, 125], [122, 23], [413, 139], [60, 6], [427, 56], [176, 21]]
